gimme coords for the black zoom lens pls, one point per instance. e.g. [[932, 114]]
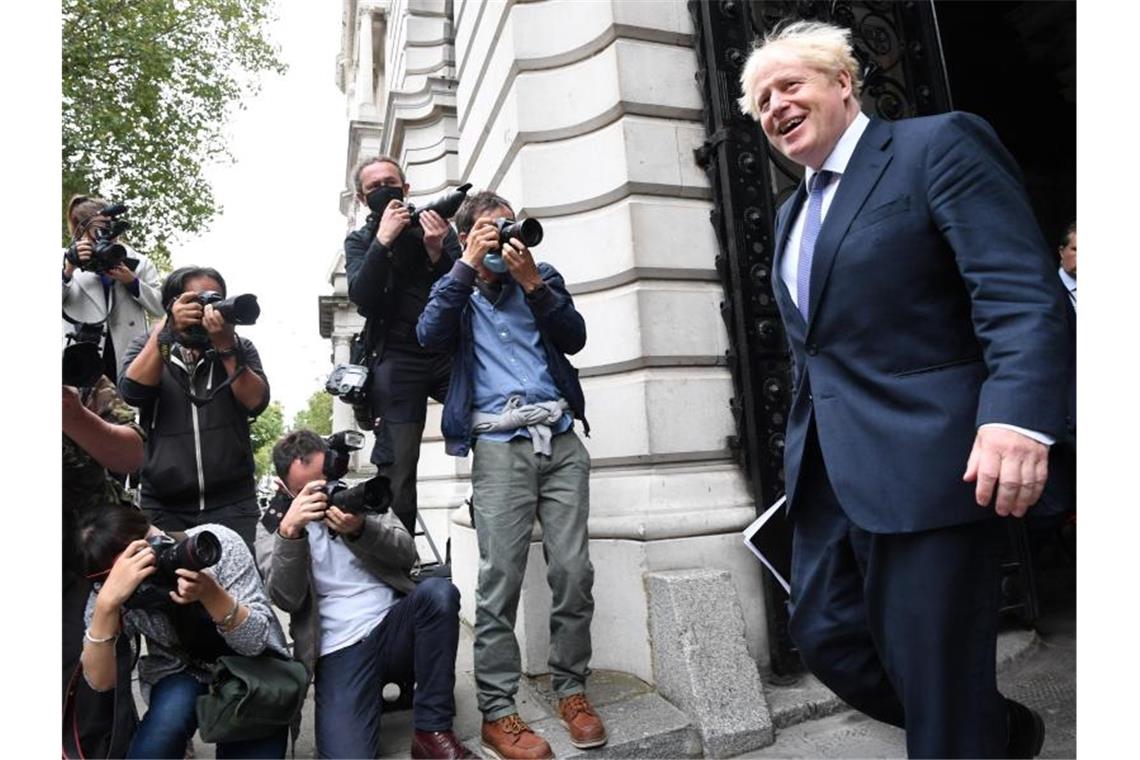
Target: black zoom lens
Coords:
[[195, 552], [529, 231], [373, 495]]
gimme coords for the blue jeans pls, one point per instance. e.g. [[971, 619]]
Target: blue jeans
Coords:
[[170, 721], [418, 637]]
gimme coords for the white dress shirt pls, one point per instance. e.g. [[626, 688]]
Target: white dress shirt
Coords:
[[837, 162], [1070, 284]]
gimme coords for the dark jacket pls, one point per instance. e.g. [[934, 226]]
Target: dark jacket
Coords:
[[390, 286], [197, 458], [934, 309], [446, 325]]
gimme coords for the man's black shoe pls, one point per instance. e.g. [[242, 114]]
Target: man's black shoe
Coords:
[[1026, 731]]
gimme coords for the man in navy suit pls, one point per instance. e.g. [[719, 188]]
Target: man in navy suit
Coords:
[[926, 333]]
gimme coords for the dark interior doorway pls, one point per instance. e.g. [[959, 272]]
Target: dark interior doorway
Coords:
[[1015, 63]]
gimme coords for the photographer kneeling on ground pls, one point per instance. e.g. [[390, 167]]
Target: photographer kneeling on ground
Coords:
[[197, 385], [119, 297], [189, 618], [357, 619]]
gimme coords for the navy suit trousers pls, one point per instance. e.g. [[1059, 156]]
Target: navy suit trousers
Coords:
[[902, 626]]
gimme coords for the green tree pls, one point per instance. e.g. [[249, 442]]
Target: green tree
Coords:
[[148, 86], [263, 433], [317, 416]]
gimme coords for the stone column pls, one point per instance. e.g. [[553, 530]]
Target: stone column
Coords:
[[365, 88], [342, 413]]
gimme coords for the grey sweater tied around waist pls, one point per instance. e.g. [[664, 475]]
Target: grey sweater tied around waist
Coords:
[[536, 418]]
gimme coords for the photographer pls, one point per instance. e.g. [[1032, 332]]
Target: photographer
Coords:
[[357, 619], [197, 385], [99, 434], [222, 610], [391, 265], [119, 298], [510, 322]]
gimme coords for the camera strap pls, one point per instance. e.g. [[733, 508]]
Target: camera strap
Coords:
[[166, 343]]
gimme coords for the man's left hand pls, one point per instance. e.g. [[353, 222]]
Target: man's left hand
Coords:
[[1016, 464], [344, 523], [221, 332], [122, 273], [435, 228], [521, 265]]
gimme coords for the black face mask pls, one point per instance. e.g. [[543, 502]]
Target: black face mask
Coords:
[[379, 197]]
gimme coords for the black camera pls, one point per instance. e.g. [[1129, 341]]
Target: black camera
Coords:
[[529, 231], [82, 362], [107, 253], [373, 495], [340, 447], [445, 205], [238, 310], [348, 382], [195, 552]]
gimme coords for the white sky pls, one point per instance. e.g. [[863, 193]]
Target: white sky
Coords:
[[281, 226]]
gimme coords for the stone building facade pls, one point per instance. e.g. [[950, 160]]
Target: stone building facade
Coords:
[[584, 115]]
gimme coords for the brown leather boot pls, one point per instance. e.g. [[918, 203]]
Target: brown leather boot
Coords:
[[578, 717], [437, 745], [509, 738]]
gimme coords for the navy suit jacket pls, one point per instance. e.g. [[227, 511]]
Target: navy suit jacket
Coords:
[[934, 309]]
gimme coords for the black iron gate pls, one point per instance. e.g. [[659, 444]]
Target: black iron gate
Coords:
[[904, 75]]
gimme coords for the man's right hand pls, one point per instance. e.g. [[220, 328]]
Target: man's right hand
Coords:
[[186, 311], [483, 238], [307, 506], [396, 218]]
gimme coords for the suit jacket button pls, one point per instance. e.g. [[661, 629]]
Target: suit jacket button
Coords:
[[812, 350]]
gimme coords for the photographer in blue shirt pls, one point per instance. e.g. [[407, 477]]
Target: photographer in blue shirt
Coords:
[[512, 399]]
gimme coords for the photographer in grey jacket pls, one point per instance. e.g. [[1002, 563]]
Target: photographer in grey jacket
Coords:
[[358, 620]]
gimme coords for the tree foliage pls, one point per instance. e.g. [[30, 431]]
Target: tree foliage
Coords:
[[147, 89], [317, 416], [263, 433]]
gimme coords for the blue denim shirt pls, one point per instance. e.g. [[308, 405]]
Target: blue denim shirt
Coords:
[[447, 323], [509, 358]]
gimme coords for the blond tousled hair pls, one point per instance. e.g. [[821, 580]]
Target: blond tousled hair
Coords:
[[824, 47]]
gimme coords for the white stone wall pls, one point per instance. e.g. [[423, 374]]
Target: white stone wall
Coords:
[[585, 115]]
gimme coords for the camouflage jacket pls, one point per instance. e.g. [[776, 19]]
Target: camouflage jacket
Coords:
[[85, 481]]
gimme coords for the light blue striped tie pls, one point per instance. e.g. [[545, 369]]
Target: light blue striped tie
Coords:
[[807, 241]]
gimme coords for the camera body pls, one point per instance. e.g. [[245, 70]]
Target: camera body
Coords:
[[238, 310], [529, 231], [82, 361], [107, 253], [371, 496], [340, 448], [348, 382], [195, 552]]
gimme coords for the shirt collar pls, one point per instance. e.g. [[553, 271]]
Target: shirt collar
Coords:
[[840, 155], [1069, 280]]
